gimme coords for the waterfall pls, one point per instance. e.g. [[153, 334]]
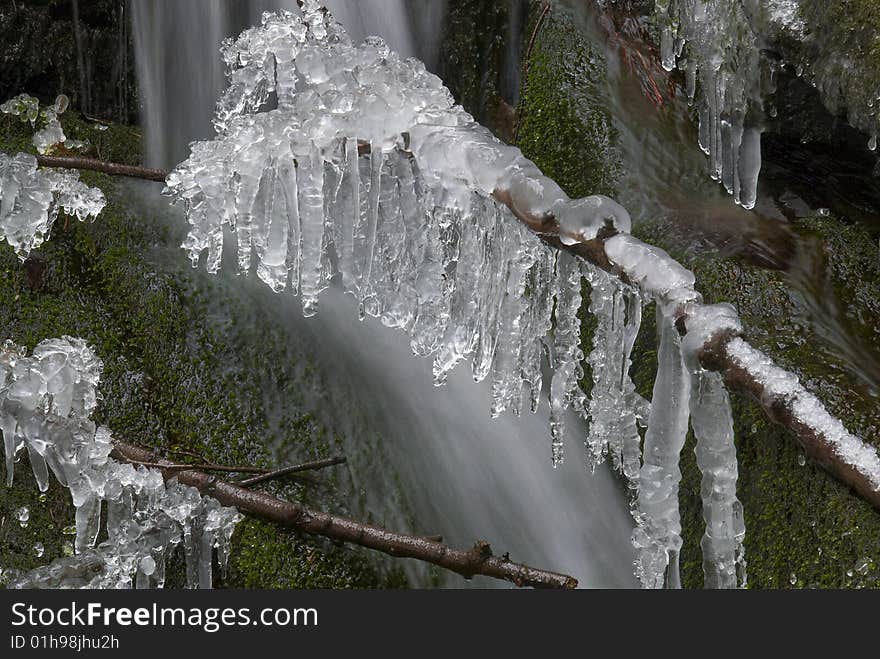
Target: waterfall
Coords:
[[180, 73], [463, 474]]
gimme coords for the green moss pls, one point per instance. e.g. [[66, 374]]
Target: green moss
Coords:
[[565, 127], [190, 362]]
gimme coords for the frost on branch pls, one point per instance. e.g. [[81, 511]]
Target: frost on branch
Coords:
[[342, 163], [45, 404], [31, 197]]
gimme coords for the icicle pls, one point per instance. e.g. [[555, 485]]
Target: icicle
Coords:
[[538, 322], [348, 217], [635, 408], [288, 182], [507, 376], [311, 211], [565, 391], [712, 421], [465, 308], [658, 534], [371, 229], [606, 362], [491, 294], [612, 409]]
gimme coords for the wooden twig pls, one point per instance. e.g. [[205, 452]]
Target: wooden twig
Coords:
[[286, 471], [477, 561], [200, 467], [112, 168]]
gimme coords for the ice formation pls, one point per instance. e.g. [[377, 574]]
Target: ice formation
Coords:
[[45, 404], [808, 410], [31, 197], [338, 164], [343, 163], [614, 404], [50, 135], [715, 43]]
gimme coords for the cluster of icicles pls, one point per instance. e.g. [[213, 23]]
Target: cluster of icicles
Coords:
[[45, 404], [30, 196], [720, 44], [715, 44], [337, 164]]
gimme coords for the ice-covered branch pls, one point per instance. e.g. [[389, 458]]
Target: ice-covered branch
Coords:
[[31, 198], [153, 505], [45, 404]]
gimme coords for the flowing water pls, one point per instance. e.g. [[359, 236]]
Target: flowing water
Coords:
[[434, 452]]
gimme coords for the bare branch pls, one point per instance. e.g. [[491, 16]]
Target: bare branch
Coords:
[[477, 561], [112, 168], [279, 473]]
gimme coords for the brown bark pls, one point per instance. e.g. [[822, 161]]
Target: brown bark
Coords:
[[477, 561], [115, 169]]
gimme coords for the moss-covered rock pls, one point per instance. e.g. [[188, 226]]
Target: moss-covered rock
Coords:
[[564, 125], [189, 364], [841, 55]]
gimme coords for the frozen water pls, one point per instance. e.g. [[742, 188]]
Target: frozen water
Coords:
[[50, 134], [342, 163], [45, 404], [31, 197], [658, 534], [718, 47], [808, 410]]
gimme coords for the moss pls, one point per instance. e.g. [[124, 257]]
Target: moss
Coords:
[[564, 125], [189, 363], [844, 49], [301, 565]]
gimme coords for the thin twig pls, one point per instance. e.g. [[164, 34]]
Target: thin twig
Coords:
[[278, 473], [200, 467], [115, 169]]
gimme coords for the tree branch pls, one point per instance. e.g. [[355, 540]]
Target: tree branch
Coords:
[[112, 168], [477, 561]]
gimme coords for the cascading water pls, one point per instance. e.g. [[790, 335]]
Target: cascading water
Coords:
[[464, 475], [181, 77]]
